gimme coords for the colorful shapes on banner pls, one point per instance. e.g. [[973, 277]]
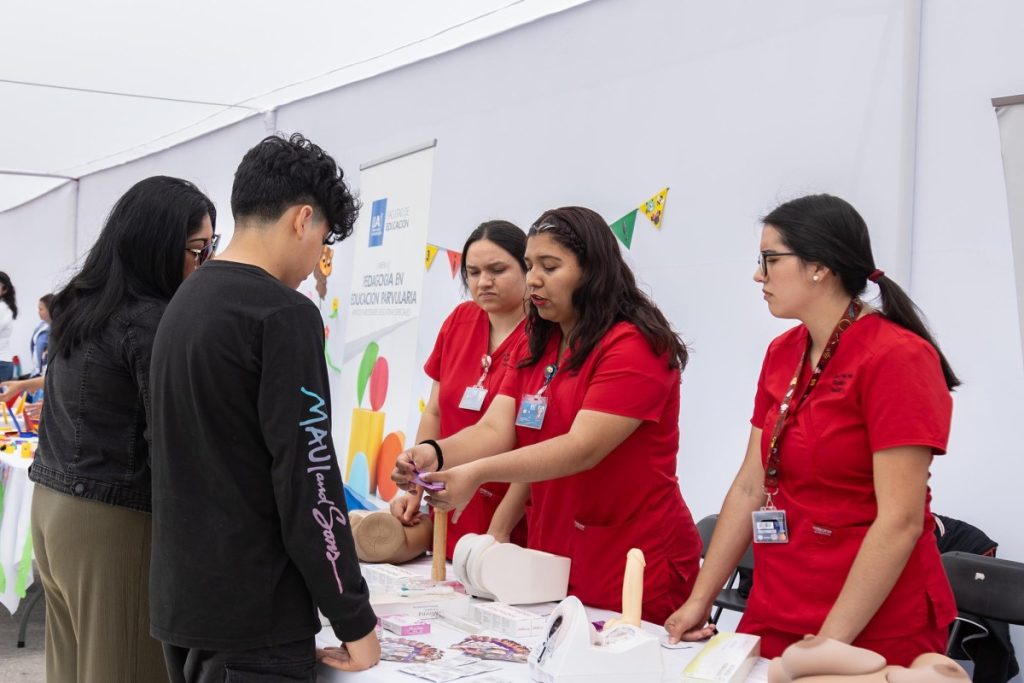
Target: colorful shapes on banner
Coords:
[[454, 260], [365, 368], [359, 475], [379, 384], [323, 271], [330, 363], [431, 253], [335, 306], [365, 438], [390, 448], [623, 228], [654, 208], [356, 501], [423, 406]]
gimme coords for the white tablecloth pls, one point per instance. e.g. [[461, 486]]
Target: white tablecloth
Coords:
[[443, 635], [15, 529]]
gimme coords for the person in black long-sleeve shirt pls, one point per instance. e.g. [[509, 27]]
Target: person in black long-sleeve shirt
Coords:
[[250, 529]]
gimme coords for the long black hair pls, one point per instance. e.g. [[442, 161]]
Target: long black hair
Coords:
[[506, 235], [140, 253], [8, 296], [607, 293], [824, 229]]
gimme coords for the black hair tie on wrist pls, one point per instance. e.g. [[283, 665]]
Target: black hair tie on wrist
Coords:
[[437, 450]]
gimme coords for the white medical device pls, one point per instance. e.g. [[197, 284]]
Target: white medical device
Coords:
[[574, 652], [508, 573]]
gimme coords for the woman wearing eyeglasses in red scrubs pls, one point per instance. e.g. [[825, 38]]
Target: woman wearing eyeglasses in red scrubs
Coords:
[[850, 408], [589, 416]]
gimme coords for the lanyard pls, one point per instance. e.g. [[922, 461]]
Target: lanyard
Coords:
[[787, 407], [485, 364], [549, 374]]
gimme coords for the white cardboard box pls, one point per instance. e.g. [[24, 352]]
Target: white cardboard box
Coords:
[[726, 658]]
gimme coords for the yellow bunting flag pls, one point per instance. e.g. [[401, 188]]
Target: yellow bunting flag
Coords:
[[654, 208], [431, 253]]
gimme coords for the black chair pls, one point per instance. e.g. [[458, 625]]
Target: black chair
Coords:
[[985, 587], [729, 597]]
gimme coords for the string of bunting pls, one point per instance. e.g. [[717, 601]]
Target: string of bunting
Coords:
[[454, 258], [653, 209]]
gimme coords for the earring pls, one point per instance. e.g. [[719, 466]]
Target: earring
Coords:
[[815, 278]]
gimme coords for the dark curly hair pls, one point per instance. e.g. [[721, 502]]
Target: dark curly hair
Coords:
[[606, 295], [279, 173]]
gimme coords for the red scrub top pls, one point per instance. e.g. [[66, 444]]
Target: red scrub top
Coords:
[[455, 364], [883, 388], [631, 499]]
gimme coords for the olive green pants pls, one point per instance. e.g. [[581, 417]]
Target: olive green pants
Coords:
[[94, 562]]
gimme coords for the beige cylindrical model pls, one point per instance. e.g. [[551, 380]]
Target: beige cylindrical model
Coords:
[[632, 591], [633, 587], [438, 570]]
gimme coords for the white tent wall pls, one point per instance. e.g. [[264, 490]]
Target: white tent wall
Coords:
[[208, 161], [37, 252], [963, 274], [733, 107]]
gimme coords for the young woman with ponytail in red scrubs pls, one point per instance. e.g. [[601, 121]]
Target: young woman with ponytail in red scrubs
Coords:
[[468, 363], [850, 408], [588, 415]]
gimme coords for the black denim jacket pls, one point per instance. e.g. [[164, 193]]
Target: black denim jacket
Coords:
[[93, 440]]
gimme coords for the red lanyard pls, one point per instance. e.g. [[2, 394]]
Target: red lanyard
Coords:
[[485, 365], [787, 408]]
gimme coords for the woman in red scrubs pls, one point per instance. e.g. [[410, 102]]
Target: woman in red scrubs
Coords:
[[589, 413], [468, 363], [844, 544]]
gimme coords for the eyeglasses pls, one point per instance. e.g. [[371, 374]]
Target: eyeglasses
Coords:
[[762, 259], [203, 255]]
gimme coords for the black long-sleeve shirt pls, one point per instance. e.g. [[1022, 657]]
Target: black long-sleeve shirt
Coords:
[[250, 529]]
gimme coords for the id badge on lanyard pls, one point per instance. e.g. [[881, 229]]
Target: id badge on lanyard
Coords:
[[473, 397], [770, 522], [533, 407]]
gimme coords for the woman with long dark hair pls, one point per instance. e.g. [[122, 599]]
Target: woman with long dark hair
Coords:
[[589, 416], [8, 312], [91, 522], [469, 361], [850, 408]]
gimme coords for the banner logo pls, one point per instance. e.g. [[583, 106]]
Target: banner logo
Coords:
[[378, 213]]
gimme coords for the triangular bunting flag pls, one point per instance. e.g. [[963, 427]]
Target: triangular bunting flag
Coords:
[[623, 228], [654, 208], [431, 253], [454, 260]]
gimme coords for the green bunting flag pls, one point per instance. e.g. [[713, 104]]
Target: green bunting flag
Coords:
[[623, 228]]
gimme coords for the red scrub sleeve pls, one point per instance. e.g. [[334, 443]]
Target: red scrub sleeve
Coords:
[[762, 399], [629, 378], [905, 398], [433, 365]]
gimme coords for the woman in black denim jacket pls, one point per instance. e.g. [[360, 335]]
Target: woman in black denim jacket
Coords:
[[90, 512]]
